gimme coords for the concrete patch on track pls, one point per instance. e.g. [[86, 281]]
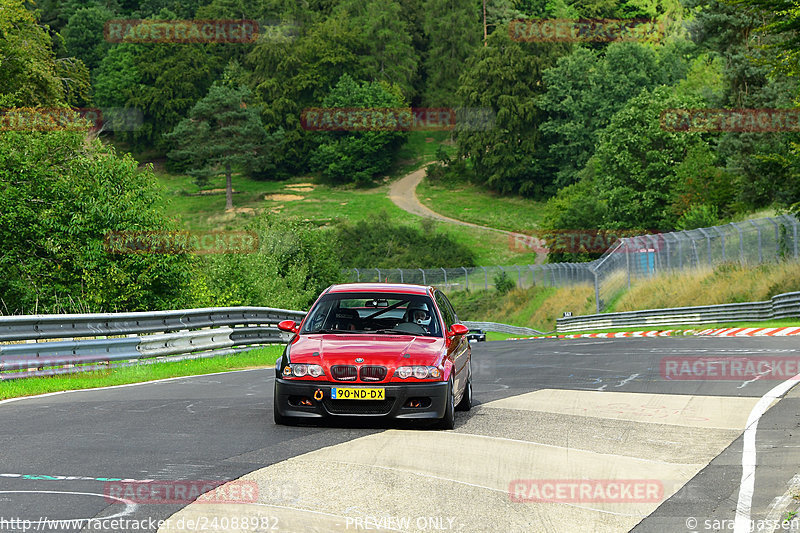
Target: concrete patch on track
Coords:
[[462, 480], [671, 409]]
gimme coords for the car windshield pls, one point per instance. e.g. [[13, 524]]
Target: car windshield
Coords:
[[359, 313]]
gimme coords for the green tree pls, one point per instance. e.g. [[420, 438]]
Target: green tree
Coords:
[[221, 134], [454, 33], [585, 89], [506, 76], [356, 156], [635, 162], [60, 195], [83, 35], [28, 71]]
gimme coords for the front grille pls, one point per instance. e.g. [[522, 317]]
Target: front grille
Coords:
[[359, 407], [344, 372], [373, 373]]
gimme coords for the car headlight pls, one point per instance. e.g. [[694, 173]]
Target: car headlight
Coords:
[[419, 372], [301, 370]]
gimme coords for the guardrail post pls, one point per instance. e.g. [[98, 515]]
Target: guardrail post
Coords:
[[466, 278]]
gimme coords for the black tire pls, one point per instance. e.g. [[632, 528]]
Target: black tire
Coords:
[[448, 421], [466, 399], [279, 418]]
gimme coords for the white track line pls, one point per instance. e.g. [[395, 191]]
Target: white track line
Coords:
[[272, 367], [744, 504]]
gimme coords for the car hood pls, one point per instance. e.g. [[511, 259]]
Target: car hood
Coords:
[[387, 350]]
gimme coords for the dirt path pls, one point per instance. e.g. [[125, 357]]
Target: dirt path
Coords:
[[403, 193]]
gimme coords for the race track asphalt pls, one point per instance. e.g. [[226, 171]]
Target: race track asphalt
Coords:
[[597, 410]]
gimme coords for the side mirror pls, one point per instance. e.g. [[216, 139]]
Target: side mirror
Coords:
[[457, 329], [288, 325]]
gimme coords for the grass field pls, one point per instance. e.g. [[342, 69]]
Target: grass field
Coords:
[[471, 203], [260, 357]]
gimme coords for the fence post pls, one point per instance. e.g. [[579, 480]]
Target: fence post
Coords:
[[627, 261], [794, 231], [722, 241], [466, 278], [596, 291], [519, 277], [379, 274], [708, 242], [760, 252], [423, 276], [445, 277], [741, 242], [485, 279], [358, 275], [777, 238]]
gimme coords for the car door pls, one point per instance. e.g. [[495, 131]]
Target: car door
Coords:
[[458, 350]]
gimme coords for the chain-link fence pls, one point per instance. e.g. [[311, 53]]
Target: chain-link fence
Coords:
[[476, 278], [749, 242]]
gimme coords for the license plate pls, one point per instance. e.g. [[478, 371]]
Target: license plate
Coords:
[[340, 393]]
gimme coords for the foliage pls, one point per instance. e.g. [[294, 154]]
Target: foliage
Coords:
[[83, 35], [506, 76], [59, 197], [28, 72], [379, 243], [502, 283], [294, 264], [356, 156], [698, 216], [221, 134]]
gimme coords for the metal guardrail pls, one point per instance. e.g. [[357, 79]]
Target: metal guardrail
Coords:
[[780, 306], [101, 340], [501, 328]]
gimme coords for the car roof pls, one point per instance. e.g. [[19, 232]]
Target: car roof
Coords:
[[403, 288]]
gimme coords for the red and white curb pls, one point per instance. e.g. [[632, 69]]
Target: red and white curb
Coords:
[[751, 332], [723, 332]]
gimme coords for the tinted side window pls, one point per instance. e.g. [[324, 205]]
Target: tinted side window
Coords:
[[450, 307], [446, 309]]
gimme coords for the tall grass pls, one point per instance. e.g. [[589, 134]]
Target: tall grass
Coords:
[[726, 283]]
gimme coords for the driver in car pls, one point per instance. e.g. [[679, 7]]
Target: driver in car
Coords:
[[417, 313]]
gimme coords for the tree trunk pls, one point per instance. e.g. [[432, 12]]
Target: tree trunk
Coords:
[[228, 188]]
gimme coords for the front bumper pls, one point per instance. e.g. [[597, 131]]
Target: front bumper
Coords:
[[432, 397]]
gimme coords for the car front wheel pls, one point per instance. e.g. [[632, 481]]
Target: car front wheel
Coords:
[[448, 421]]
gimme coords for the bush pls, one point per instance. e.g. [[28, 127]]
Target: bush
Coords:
[[502, 283], [381, 243], [294, 264], [60, 194]]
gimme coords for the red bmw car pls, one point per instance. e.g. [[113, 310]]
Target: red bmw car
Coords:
[[375, 350]]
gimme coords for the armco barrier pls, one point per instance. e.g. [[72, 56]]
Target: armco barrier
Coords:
[[501, 328], [780, 306], [99, 340]]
